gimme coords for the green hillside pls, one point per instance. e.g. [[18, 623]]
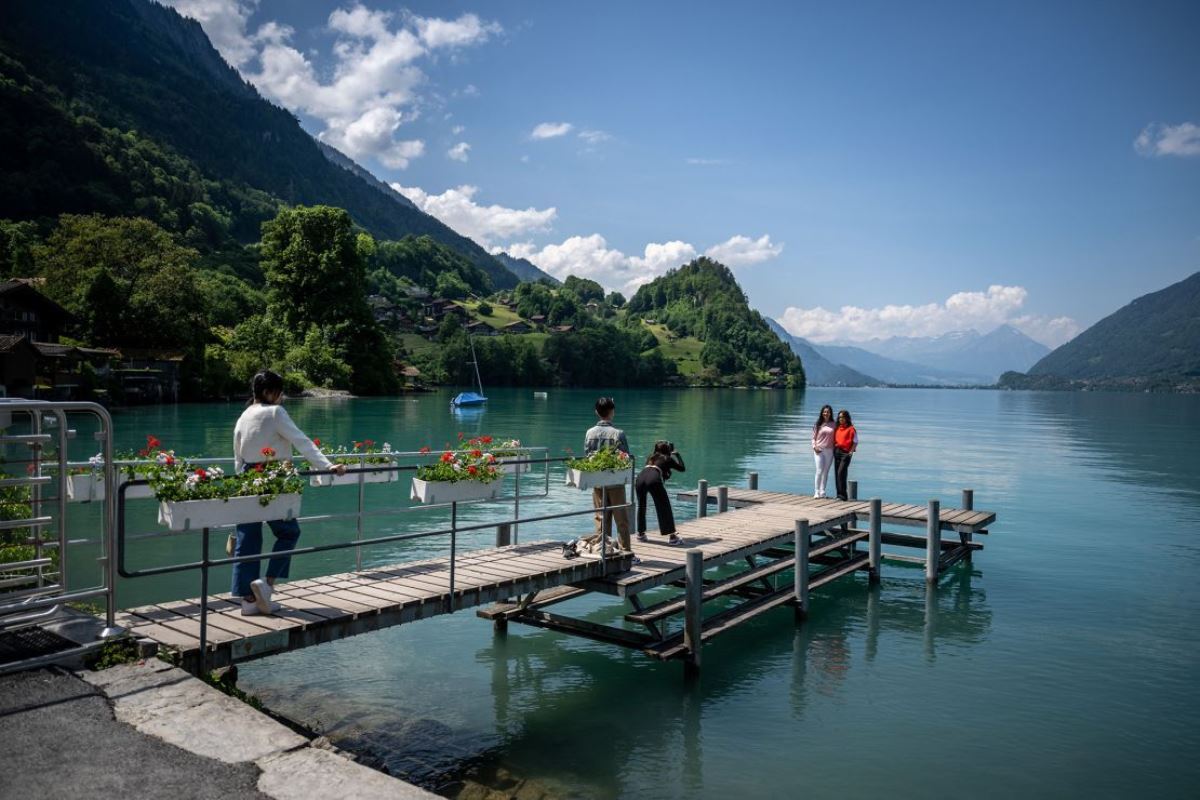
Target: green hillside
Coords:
[[1153, 342], [702, 301], [123, 107]]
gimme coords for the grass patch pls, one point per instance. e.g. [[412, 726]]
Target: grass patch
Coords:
[[418, 345], [683, 350], [112, 653], [499, 317]]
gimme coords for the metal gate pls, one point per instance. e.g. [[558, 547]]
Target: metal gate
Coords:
[[34, 477]]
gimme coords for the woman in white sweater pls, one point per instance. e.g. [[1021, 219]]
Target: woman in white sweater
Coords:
[[265, 424]]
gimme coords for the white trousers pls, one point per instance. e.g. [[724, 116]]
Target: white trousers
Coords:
[[823, 460]]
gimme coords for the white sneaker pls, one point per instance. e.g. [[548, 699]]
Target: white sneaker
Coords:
[[262, 595], [250, 609]]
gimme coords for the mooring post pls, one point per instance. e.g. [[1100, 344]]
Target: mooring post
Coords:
[[933, 542], [503, 534], [875, 538], [722, 499], [968, 504], [754, 480], [702, 498], [801, 569], [852, 489], [693, 602]]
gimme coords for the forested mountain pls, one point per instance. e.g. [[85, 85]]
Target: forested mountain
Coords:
[[525, 269], [123, 107], [702, 299], [1152, 342], [818, 370]]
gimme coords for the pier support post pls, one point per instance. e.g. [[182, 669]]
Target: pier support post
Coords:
[[852, 489], [702, 499], [933, 543], [875, 538], [968, 504], [722, 499], [754, 480], [503, 534], [692, 617], [801, 569]]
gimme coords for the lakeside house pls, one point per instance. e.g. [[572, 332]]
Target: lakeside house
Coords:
[[563, 329], [29, 313], [481, 328], [520, 326]]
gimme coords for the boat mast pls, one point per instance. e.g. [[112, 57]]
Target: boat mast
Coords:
[[475, 362]]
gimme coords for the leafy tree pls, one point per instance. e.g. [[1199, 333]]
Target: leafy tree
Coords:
[[126, 280], [583, 288], [485, 308], [316, 358], [616, 299], [451, 286], [17, 240]]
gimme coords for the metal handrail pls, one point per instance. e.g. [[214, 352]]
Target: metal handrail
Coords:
[[206, 563]]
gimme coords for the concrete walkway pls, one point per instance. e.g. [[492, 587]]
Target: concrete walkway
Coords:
[[152, 728]]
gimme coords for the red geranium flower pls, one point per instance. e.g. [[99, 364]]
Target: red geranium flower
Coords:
[[170, 460], [476, 453], [424, 450], [460, 436], [258, 467], [447, 457], [491, 459], [486, 439], [471, 470], [357, 445], [144, 452], [201, 474], [316, 441], [152, 442], [369, 442], [269, 452]]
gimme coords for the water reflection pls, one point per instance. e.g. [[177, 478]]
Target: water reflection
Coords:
[[614, 711]]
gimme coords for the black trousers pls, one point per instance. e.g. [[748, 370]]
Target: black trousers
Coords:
[[650, 481], [841, 468]]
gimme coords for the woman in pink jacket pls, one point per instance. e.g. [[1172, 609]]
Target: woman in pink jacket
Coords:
[[822, 445]]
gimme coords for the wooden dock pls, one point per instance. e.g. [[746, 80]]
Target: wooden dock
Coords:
[[324, 609], [761, 551]]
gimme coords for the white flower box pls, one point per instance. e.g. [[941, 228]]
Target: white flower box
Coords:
[[193, 515], [507, 466], [353, 473], [594, 480], [88, 487], [430, 492]]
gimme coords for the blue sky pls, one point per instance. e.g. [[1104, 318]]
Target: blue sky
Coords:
[[868, 169]]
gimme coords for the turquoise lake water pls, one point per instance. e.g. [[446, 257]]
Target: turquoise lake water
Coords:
[[1065, 661]]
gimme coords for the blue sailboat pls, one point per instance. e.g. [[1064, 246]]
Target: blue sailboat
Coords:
[[471, 398]]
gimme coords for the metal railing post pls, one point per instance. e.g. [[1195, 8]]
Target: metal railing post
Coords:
[[801, 569], [503, 534], [875, 539], [754, 480], [933, 543], [605, 522], [722, 499], [362, 503], [453, 548], [517, 499], [852, 490], [702, 498], [204, 601]]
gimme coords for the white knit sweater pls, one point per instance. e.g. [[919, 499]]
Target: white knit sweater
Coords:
[[263, 425]]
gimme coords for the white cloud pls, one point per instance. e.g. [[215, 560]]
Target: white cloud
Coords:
[[742, 251], [459, 152], [458, 130], [705, 162], [225, 23], [373, 86], [982, 311], [550, 130], [594, 138], [485, 224], [1160, 139]]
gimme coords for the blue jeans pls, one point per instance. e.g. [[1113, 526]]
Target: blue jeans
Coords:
[[249, 543]]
